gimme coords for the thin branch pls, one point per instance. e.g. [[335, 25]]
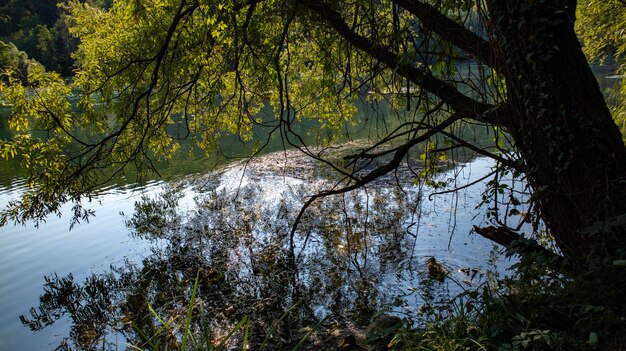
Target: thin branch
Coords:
[[460, 142], [462, 104], [518, 244], [452, 32], [453, 190]]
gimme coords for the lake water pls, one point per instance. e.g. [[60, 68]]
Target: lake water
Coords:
[[355, 254], [29, 254]]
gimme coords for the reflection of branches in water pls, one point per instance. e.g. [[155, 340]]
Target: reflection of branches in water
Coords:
[[89, 305], [240, 250]]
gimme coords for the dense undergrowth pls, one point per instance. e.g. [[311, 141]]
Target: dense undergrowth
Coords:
[[535, 309]]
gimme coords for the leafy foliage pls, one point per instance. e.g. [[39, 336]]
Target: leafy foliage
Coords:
[[15, 62], [154, 72], [535, 309], [601, 26]]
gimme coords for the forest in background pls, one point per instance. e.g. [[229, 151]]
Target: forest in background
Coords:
[[37, 31]]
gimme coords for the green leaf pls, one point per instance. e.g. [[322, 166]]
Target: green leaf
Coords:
[[593, 339], [620, 263], [190, 311]]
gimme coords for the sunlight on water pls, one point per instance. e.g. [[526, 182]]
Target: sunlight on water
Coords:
[[436, 227]]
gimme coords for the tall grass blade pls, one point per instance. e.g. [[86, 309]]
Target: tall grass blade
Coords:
[[194, 342], [190, 311], [245, 336], [144, 336], [244, 321], [308, 335], [275, 325], [205, 327], [163, 323]]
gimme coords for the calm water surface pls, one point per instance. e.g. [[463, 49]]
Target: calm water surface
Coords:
[[28, 254], [376, 264]]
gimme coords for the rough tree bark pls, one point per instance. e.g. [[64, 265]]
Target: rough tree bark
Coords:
[[574, 155], [572, 150]]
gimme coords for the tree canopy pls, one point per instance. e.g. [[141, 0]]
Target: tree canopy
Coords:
[[39, 29], [148, 67], [12, 59]]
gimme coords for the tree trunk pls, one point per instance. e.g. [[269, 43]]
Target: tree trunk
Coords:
[[573, 150]]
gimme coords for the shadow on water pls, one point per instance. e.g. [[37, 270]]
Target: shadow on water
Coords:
[[355, 256]]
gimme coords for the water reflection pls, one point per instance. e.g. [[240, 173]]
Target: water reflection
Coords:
[[354, 256]]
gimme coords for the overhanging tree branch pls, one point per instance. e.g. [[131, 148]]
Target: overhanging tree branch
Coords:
[[464, 106], [452, 32], [516, 243], [506, 162], [104, 147], [394, 163]]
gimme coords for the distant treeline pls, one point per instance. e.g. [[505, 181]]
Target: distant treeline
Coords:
[[37, 30]]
